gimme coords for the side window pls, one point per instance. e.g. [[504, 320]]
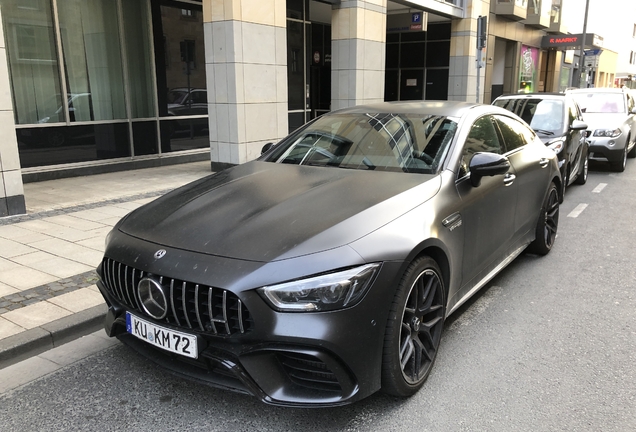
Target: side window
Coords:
[[481, 138], [514, 133], [572, 113]]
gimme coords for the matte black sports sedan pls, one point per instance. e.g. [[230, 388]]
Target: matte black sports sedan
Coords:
[[323, 271]]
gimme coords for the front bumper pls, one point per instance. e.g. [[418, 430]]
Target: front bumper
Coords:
[[607, 149], [288, 359]]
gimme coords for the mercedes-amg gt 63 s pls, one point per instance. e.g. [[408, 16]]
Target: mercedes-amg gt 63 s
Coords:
[[323, 271]]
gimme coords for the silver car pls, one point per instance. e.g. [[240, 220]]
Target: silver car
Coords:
[[609, 114]]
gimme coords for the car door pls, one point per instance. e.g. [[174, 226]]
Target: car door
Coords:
[[488, 210], [527, 155]]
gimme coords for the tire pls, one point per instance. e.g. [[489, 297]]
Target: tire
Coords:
[[620, 165], [547, 225], [632, 152], [414, 328], [581, 179], [565, 180]]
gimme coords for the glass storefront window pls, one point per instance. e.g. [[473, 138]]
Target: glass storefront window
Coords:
[[92, 56], [139, 58], [33, 61], [105, 79], [56, 145]]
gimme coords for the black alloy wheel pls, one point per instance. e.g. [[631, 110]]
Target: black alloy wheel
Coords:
[[581, 179], [414, 328], [547, 224]]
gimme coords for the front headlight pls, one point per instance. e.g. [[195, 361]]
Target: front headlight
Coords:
[[556, 145], [607, 133], [321, 293]]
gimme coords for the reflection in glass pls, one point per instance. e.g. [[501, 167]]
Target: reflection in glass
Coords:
[[90, 42], [180, 60], [184, 134], [68, 144], [373, 141], [33, 61]]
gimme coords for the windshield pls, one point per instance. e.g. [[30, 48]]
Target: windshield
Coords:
[[600, 102], [176, 96], [373, 141], [545, 116]]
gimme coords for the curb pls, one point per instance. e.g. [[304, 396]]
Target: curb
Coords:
[[32, 342]]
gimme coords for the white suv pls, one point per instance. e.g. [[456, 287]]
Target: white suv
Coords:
[[609, 114]]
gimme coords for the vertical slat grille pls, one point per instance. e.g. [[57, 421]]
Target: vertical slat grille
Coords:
[[192, 306]]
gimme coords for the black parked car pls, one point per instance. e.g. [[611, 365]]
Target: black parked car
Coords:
[[324, 270], [558, 121]]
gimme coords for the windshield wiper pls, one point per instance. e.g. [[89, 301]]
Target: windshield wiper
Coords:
[[543, 131]]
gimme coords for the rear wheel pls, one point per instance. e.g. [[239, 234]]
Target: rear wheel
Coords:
[[547, 224], [582, 177], [414, 328]]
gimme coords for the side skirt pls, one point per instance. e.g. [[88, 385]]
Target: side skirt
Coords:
[[488, 277]]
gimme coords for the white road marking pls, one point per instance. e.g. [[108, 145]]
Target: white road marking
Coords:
[[577, 211], [599, 188]]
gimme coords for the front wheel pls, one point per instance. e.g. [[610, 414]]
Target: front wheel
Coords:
[[547, 225], [621, 164], [414, 328], [582, 177]]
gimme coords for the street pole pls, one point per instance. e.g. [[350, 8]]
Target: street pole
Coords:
[[482, 23], [577, 78]]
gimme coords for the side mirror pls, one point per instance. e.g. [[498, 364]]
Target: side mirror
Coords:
[[267, 147], [487, 165], [578, 125]]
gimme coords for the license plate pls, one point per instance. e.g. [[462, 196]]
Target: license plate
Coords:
[[164, 338]]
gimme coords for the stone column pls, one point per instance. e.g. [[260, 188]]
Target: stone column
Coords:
[[246, 68], [11, 188], [462, 74], [358, 33]]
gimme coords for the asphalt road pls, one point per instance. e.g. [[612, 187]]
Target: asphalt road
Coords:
[[548, 345]]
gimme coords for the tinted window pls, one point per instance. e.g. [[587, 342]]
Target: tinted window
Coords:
[[481, 138], [372, 141], [514, 133]]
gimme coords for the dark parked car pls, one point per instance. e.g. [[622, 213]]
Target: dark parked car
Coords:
[[558, 121], [610, 115], [324, 270]]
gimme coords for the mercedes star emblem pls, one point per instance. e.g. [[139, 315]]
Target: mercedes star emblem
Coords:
[[153, 298]]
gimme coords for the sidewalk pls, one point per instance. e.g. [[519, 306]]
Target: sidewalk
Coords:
[[48, 257]]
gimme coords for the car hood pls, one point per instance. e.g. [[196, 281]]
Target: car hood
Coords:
[[604, 120], [263, 211]]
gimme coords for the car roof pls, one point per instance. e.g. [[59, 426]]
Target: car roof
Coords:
[[532, 96], [598, 90], [443, 108]]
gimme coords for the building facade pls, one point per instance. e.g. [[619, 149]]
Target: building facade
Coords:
[[88, 86]]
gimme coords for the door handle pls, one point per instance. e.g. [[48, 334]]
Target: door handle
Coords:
[[509, 179], [544, 162]]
